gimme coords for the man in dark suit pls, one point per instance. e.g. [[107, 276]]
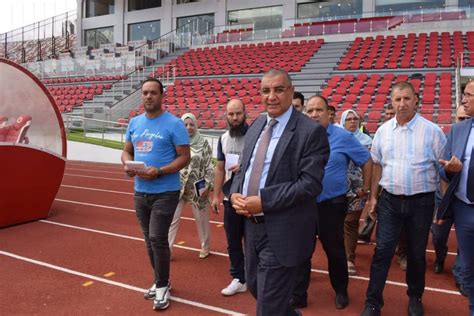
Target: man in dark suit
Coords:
[[276, 188], [458, 200]]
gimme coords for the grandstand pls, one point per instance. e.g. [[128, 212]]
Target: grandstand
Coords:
[[93, 60], [349, 51]]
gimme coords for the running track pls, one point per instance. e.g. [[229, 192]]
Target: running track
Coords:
[[88, 258]]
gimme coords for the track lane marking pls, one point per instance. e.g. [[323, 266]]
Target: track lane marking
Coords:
[[131, 193], [95, 189], [219, 224], [126, 209], [226, 255], [93, 177], [115, 283], [121, 172]]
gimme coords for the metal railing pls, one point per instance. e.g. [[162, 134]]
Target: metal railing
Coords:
[[103, 130], [93, 128], [328, 25], [437, 14], [40, 40]]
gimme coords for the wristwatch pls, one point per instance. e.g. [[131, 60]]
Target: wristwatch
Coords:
[[160, 172]]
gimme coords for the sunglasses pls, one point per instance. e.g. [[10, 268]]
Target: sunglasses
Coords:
[[462, 118]]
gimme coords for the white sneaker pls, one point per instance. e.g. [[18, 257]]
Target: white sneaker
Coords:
[[234, 287], [150, 293], [162, 297]]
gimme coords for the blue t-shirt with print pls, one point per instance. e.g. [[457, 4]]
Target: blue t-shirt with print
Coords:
[[154, 142]]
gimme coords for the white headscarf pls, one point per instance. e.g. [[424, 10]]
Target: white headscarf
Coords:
[[364, 139]]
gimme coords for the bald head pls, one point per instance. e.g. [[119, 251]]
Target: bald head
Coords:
[[235, 112], [235, 103]]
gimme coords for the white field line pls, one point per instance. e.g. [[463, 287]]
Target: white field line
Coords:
[[128, 193], [117, 284], [94, 189], [126, 209], [226, 255], [186, 218], [94, 177], [101, 171]]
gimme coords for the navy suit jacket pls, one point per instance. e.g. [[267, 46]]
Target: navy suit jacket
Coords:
[[294, 181], [456, 145]]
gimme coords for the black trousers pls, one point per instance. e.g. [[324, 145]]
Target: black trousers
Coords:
[[331, 214], [234, 229]]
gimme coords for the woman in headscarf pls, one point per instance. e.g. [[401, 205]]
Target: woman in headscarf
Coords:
[[356, 197], [196, 181]]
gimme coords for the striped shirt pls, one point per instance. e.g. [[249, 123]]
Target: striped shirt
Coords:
[[408, 155]]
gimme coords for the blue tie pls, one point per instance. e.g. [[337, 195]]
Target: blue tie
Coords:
[[470, 179]]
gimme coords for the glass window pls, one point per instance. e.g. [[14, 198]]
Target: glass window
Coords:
[[143, 4], [387, 6], [263, 18], [465, 3], [99, 7], [146, 30], [195, 24], [96, 37], [330, 9]]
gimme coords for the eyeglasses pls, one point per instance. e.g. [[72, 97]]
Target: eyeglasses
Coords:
[[352, 119], [468, 95], [462, 118], [277, 90]]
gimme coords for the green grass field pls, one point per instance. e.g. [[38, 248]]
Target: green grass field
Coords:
[[78, 136]]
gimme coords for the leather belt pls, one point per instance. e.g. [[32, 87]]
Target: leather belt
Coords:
[[407, 197]]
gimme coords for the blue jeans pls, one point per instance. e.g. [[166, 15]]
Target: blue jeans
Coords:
[[440, 235], [155, 213], [234, 229], [415, 214], [464, 223]]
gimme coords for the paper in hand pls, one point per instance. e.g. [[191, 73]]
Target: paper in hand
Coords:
[[231, 160], [137, 166]]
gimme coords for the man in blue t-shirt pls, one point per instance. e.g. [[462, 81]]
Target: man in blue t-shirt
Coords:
[[332, 203], [161, 141]]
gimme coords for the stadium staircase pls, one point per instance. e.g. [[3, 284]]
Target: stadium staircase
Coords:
[[124, 94], [318, 70]]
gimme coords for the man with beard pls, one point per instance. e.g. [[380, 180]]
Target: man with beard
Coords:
[[159, 140], [229, 152]]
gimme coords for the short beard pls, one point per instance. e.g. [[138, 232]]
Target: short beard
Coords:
[[237, 131]]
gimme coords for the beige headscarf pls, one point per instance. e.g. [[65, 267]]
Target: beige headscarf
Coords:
[[196, 142]]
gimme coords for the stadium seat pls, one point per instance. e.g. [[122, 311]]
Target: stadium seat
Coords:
[[16, 132]]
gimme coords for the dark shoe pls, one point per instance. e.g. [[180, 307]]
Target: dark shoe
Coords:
[[461, 289], [415, 307], [370, 311], [298, 303], [438, 267], [342, 300]]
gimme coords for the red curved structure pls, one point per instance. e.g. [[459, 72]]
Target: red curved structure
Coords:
[[32, 146]]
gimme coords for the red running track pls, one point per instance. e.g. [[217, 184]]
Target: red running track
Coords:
[[89, 257]]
